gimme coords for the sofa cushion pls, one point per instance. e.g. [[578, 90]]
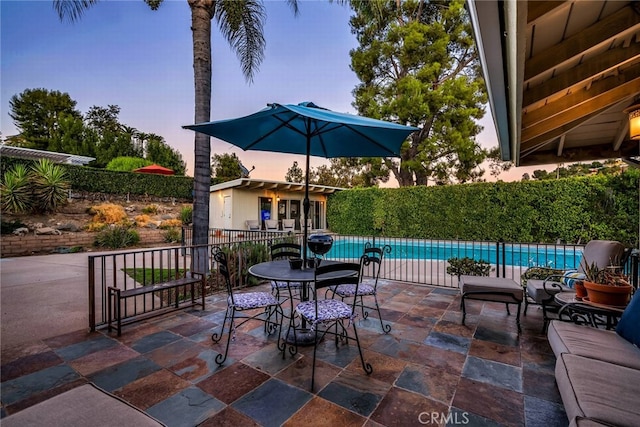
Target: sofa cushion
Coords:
[[598, 390], [586, 422], [629, 324], [565, 337], [536, 290]]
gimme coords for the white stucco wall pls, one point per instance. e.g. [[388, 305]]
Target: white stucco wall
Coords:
[[245, 205]]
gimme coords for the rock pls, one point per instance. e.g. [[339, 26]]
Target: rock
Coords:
[[47, 231], [36, 225], [69, 226], [21, 231]]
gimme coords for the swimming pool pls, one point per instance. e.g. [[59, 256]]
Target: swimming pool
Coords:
[[522, 255]]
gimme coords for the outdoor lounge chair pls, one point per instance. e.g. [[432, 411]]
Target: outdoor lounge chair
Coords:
[[271, 224], [253, 224], [288, 225], [602, 253]]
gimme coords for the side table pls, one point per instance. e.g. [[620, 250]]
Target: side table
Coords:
[[586, 312]]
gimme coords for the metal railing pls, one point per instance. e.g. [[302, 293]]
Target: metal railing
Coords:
[[418, 261]]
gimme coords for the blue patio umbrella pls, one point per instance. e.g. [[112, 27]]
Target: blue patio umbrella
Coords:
[[310, 130]]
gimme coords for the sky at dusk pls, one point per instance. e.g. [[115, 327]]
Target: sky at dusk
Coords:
[[123, 53]]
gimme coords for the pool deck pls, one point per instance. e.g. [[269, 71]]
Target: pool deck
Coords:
[[429, 365]]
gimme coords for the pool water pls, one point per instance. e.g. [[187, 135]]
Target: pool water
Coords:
[[516, 255]]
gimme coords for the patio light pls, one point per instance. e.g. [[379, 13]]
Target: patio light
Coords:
[[634, 121]]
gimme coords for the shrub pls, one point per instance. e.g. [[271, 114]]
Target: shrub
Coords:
[[172, 235], [15, 190], [108, 213], [468, 267], [142, 220], [170, 223], [186, 214], [127, 164], [150, 210], [49, 185], [117, 237]]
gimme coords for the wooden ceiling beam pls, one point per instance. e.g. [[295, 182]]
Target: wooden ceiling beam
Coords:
[[613, 25], [573, 105], [571, 118], [582, 73], [581, 154], [536, 9]]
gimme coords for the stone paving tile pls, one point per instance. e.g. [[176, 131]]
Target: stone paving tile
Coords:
[[188, 407], [434, 384], [542, 413], [495, 373], [243, 377], [28, 364], [99, 360], [496, 352], [25, 386], [151, 389], [319, 412], [448, 342], [259, 404], [360, 402], [117, 376], [198, 367], [83, 348], [156, 340], [229, 417], [404, 408], [495, 403]]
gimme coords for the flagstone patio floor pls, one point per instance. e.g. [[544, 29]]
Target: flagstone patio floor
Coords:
[[430, 370]]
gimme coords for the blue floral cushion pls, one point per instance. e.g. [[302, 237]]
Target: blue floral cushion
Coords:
[[251, 300], [629, 324], [350, 290], [284, 285], [328, 310], [571, 277]]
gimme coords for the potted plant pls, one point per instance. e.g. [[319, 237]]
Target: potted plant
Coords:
[[608, 286]]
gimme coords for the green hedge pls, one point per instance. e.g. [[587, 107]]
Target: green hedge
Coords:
[[88, 179], [571, 210]]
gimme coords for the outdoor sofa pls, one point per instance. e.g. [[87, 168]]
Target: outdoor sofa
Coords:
[[598, 371]]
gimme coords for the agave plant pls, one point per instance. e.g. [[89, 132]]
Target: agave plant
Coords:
[[50, 185], [15, 190]]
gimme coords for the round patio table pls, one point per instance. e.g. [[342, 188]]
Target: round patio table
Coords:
[[280, 271]]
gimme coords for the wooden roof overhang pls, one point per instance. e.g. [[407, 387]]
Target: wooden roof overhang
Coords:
[[560, 75]]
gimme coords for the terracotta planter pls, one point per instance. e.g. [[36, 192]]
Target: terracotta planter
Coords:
[[581, 291], [607, 294]]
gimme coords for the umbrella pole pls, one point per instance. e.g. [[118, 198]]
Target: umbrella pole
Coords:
[[305, 205]]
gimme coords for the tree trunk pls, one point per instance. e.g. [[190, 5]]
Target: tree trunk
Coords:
[[201, 15]]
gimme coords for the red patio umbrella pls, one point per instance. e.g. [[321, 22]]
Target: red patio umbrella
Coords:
[[155, 169]]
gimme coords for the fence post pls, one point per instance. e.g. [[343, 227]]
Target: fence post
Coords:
[[92, 295], [498, 259], [504, 259]]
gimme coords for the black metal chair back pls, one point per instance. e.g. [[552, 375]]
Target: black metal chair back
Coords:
[[285, 251]]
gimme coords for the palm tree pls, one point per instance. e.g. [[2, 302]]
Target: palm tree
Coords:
[[242, 24]]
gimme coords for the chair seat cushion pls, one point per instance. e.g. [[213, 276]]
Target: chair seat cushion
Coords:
[[249, 300], [536, 290], [350, 290], [598, 390], [328, 310], [284, 285]]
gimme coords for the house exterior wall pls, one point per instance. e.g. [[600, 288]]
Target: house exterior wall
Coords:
[[245, 205]]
